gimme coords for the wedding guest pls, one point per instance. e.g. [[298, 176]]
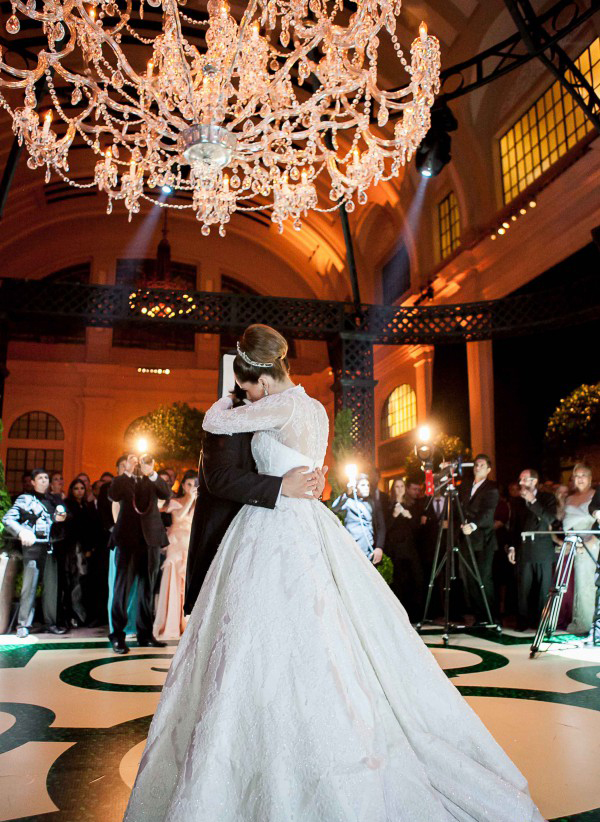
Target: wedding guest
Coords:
[[363, 517], [169, 622], [109, 511], [85, 478], [577, 517], [35, 521], [400, 546], [82, 530], [535, 511], [57, 486], [480, 499], [138, 536]]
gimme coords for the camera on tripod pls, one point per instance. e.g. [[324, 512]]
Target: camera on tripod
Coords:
[[437, 481]]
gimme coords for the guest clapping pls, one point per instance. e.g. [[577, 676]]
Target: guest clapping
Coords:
[[400, 546]]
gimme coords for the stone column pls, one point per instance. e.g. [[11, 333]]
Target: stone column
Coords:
[[480, 369], [422, 356]]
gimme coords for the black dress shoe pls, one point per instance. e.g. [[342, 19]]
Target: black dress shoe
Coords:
[[151, 642], [119, 646], [56, 629]]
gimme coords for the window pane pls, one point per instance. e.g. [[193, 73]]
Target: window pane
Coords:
[[399, 412], [36, 425], [449, 225], [547, 130]]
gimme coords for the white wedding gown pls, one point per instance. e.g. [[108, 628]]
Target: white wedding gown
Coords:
[[299, 691]]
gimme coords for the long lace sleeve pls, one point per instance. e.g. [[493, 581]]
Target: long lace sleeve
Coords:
[[272, 412]]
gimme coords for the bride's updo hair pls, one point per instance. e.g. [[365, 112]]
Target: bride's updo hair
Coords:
[[261, 344]]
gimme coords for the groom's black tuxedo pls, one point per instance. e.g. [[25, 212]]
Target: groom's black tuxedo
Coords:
[[227, 481]]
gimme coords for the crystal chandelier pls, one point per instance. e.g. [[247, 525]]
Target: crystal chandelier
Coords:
[[251, 115]]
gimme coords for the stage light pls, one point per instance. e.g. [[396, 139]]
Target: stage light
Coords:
[[141, 445], [505, 224], [434, 152], [501, 231], [166, 189], [523, 211], [514, 217], [532, 204], [493, 237]]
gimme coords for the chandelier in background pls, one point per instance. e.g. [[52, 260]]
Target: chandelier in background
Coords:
[[253, 119]]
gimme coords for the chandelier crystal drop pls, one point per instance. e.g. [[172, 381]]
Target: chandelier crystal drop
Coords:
[[266, 113]]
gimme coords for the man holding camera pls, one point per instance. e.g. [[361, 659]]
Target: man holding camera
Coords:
[[363, 518], [137, 537], [34, 520], [534, 511]]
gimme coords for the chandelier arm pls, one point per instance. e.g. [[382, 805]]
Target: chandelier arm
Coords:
[[30, 76], [105, 33], [180, 38], [241, 30], [40, 17]]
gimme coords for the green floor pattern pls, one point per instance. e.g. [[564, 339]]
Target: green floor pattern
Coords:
[[95, 753]]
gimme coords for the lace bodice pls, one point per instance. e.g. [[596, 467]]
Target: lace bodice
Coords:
[[291, 429]]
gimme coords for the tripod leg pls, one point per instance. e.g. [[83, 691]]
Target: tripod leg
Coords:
[[435, 570], [448, 578], [551, 609]]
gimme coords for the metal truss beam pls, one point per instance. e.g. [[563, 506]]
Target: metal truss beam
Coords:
[[512, 52], [539, 44], [208, 312]]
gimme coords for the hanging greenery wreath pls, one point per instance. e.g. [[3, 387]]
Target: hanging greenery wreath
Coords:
[[576, 420]]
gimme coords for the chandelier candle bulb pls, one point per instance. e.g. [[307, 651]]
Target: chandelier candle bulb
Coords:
[[423, 31], [149, 69], [47, 124]]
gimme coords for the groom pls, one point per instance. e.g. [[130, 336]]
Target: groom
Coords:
[[228, 480]]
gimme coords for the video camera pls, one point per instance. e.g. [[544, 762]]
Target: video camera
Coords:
[[437, 481]]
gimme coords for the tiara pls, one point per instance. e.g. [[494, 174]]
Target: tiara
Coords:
[[248, 361]]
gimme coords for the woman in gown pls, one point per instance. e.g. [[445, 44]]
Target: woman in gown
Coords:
[[169, 622], [578, 518], [299, 691]]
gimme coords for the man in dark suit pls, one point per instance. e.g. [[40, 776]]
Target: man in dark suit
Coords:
[[137, 538], [535, 511], [228, 480], [479, 499]]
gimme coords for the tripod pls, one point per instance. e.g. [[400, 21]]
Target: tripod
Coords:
[[451, 559], [562, 574]]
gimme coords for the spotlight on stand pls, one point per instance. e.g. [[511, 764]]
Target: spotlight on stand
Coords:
[[434, 152], [141, 445]]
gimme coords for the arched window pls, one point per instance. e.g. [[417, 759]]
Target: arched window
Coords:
[[399, 413], [37, 426]]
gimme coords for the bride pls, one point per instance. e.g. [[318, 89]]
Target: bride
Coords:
[[299, 691]]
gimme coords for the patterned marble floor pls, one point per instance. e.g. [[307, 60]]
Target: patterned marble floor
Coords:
[[74, 717]]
